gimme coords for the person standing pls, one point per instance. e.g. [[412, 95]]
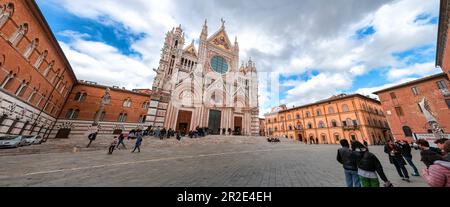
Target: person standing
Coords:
[[405, 150], [347, 158], [178, 134], [91, 138], [158, 132], [138, 144], [369, 167], [121, 141], [438, 173], [317, 140], [113, 145], [396, 158]]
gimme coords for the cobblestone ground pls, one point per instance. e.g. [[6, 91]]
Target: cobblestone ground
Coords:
[[214, 161]]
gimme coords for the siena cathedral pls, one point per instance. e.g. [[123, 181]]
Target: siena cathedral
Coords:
[[205, 87]]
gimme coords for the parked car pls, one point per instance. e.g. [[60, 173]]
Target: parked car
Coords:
[[11, 141], [33, 140]]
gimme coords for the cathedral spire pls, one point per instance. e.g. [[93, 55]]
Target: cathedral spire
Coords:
[[204, 34], [223, 23]]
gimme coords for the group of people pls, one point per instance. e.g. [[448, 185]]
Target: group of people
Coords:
[[273, 140], [119, 141], [363, 168]]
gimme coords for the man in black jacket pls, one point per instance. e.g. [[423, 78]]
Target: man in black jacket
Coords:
[[347, 158], [396, 158], [405, 149]]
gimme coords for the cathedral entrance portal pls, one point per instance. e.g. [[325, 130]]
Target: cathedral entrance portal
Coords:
[[184, 121], [214, 121], [238, 125]]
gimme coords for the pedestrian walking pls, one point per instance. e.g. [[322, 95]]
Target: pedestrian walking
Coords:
[[405, 150], [121, 141], [178, 134], [138, 144], [438, 174], [396, 158], [348, 159], [317, 140], [92, 138], [369, 167], [113, 145]]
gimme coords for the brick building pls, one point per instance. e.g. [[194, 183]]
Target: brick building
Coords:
[[262, 127], [39, 92], [127, 110], [35, 75], [443, 43], [339, 117], [404, 114]]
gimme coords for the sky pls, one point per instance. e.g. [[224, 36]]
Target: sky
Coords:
[[305, 50]]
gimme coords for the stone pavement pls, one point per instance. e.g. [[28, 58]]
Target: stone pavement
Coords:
[[207, 162]]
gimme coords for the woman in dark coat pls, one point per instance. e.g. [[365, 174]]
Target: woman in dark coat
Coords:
[[396, 158]]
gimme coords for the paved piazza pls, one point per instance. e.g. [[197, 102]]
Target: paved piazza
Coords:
[[213, 161]]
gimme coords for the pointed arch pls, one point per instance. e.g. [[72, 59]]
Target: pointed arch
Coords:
[[18, 35], [6, 12], [30, 48]]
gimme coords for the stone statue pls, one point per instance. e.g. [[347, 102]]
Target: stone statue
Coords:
[[432, 121], [106, 99]]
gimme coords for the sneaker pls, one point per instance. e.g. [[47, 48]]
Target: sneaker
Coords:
[[416, 174], [407, 180]]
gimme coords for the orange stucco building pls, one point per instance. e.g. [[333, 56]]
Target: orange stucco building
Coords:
[[328, 121]]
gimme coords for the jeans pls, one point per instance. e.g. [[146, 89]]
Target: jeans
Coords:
[[111, 149], [410, 162], [401, 169], [137, 147], [352, 178]]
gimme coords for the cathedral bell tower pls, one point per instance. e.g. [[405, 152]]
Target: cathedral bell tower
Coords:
[[170, 58]]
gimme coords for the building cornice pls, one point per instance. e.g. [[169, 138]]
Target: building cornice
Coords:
[[414, 82], [444, 21], [34, 8]]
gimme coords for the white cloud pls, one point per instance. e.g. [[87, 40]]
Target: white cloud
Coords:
[[97, 61], [299, 38]]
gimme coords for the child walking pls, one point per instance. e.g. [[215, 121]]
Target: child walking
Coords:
[[113, 145]]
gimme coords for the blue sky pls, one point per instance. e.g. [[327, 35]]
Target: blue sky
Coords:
[[358, 46]]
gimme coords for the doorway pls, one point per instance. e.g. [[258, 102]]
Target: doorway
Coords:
[[237, 125], [215, 118], [184, 121], [63, 133]]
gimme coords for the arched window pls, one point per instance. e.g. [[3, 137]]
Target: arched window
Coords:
[[308, 114], [345, 108], [122, 117], [22, 88], [127, 103], [145, 105], [289, 117], [334, 123], [5, 13], [72, 114], [32, 95], [48, 68], [299, 126], [142, 119], [298, 116], [276, 129], [331, 110], [408, 132], [6, 82], [41, 59], [321, 125], [310, 126], [80, 96], [290, 128], [30, 48], [349, 122], [319, 112], [102, 116], [18, 34]]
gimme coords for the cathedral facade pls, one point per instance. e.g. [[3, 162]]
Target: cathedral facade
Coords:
[[204, 87]]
